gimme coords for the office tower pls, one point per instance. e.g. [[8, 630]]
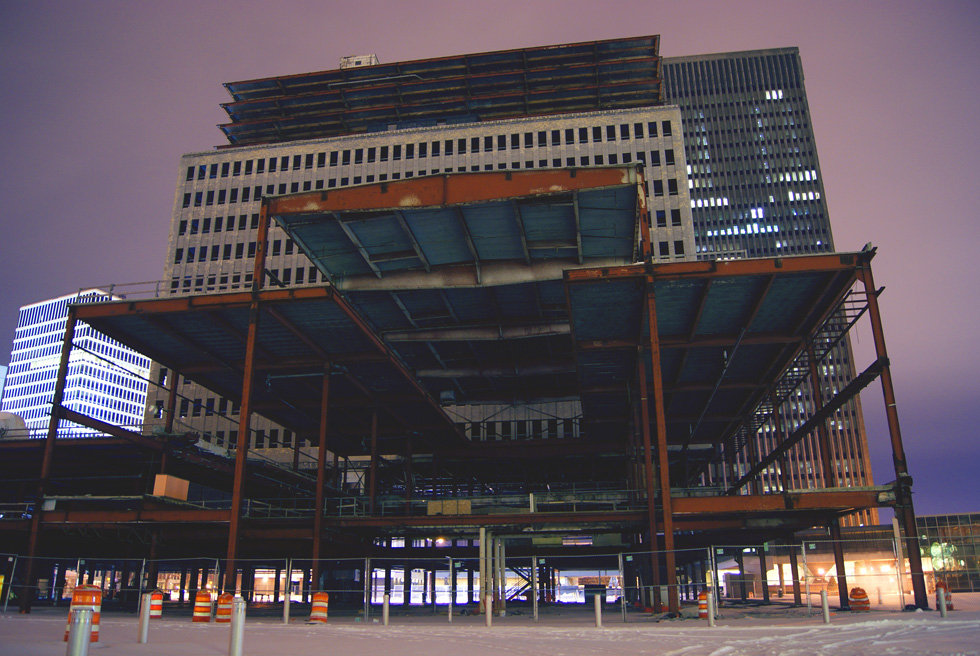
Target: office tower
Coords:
[[756, 191], [578, 105], [106, 380]]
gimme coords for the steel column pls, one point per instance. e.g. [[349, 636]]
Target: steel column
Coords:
[[321, 475], [648, 471], [673, 604], [373, 483], [829, 475], [27, 599], [903, 482], [241, 448]]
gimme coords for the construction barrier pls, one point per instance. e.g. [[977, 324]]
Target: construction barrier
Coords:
[[222, 613], [318, 613], [86, 596], [156, 604], [858, 600], [202, 607], [703, 606], [941, 585]]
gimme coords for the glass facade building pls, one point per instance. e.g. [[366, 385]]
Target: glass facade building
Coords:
[[106, 380], [756, 191]]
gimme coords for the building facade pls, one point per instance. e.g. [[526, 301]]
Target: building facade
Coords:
[[756, 191], [216, 210], [106, 380]]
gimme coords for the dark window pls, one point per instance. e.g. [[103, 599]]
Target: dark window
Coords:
[[190, 173], [661, 219], [638, 130], [658, 188], [435, 148], [669, 156], [675, 217], [221, 196], [187, 199], [654, 158], [333, 158], [424, 149], [396, 152], [409, 151], [556, 137], [321, 160], [652, 128], [583, 135], [214, 171], [225, 166], [665, 126], [610, 133], [542, 138], [372, 154], [218, 220], [260, 166], [210, 200], [236, 169], [664, 249], [529, 140], [678, 247], [178, 255], [205, 226], [273, 163], [226, 253], [596, 133], [449, 146], [345, 157], [672, 187]]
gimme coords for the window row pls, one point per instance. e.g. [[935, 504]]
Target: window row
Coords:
[[249, 194], [487, 143]]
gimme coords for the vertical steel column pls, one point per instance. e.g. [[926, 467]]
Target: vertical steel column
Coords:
[[321, 475], [27, 599], [673, 604], [904, 509], [409, 479], [763, 571], [171, 416], [648, 471], [241, 449], [777, 427], [795, 572], [829, 475], [373, 483]]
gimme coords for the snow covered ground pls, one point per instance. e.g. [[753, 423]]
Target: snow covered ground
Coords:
[[559, 632]]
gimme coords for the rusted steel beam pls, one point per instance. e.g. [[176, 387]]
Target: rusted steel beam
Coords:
[[838, 500], [241, 448], [494, 332], [321, 475], [108, 517], [109, 429], [49, 444], [723, 268], [651, 514], [663, 461], [904, 508], [451, 190]]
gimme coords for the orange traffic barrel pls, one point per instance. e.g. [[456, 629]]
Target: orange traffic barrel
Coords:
[[202, 607], [858, 600], [320, 604], [86, 596], [703, 606], [156, 604], [222, 613], [941, 585]]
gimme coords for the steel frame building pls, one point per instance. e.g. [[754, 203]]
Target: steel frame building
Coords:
[[649, 348]]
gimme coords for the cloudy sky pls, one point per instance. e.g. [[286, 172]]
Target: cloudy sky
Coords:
[[99, 100]]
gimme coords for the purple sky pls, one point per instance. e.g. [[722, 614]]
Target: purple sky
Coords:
[[99, 100]]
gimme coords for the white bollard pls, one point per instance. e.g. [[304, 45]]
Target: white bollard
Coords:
[[80, 632], [237, 639], [711, 609], [942, 601], [287, 590], [598, 611], [144, 619], [384, 610], [488, 605], [826, 608], [881, 599]]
